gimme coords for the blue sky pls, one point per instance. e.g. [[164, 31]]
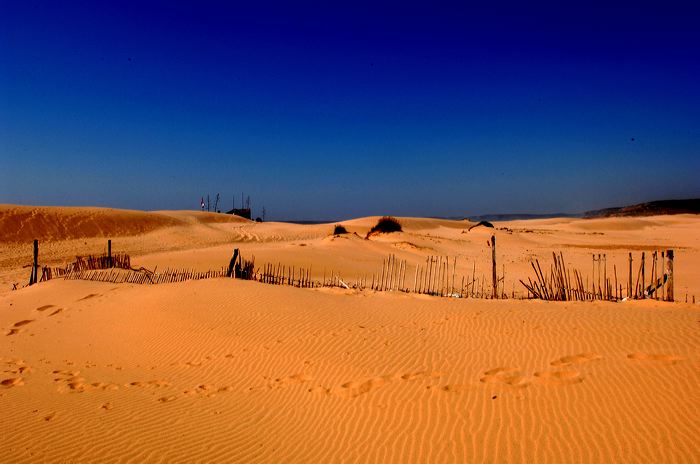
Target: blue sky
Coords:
[[328, 110]]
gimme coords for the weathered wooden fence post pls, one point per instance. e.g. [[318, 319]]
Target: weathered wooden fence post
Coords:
[[33, 277], [663, 276], [494, 276], [644, 289], [232, 263], [669, 269], [109, 253], [629, 281]]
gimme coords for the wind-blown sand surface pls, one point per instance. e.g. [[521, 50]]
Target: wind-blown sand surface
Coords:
[[228, 370]]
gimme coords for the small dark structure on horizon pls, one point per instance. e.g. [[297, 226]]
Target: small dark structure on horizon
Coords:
[[242, 212], [481, 223]]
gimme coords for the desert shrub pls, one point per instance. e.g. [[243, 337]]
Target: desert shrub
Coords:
[[339, 229], [385, 224]]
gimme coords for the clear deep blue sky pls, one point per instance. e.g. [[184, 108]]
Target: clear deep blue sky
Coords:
[[343, 109]]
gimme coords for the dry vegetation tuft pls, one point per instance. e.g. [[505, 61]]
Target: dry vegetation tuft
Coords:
[[385, 225]]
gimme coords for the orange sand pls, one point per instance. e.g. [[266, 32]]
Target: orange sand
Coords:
[[235, 371]]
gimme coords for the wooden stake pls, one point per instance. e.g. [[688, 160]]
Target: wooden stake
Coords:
[[629, 281], [415, 280], [656, 273], [232, 263], [643, 279], [669, 270], [35, 265], [493, 266], [604, 294], [430, 274]]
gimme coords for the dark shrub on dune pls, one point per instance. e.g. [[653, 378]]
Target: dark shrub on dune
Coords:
[[339, 229], [385, 225]]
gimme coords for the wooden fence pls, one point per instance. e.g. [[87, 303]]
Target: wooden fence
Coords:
[[563, 284], [437, 276], [103, 261], [143, 276]]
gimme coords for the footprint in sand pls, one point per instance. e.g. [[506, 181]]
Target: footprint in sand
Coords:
[[58, 311], [207, 390], [149, 384], [13, 382], [17, 325], [167, 399], [506, 376], [107, 406], [15, 367], [664, 358], [87, 297], [44, 308], [575, 359], [558, 378], [455, 388], [420, 375], [72, 382], [353, 389], [290, 380]]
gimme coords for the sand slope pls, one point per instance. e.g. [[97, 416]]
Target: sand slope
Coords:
[[26, 223], [237, 371]]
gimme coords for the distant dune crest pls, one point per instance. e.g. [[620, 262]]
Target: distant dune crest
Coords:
[[25, 223], [652, 208]]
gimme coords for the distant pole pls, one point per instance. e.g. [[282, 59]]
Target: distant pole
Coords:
[[493, 266], [669, 269], [109, 252]]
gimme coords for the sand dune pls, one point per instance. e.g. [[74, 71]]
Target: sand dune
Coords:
[[25, 223], [226, 370]]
